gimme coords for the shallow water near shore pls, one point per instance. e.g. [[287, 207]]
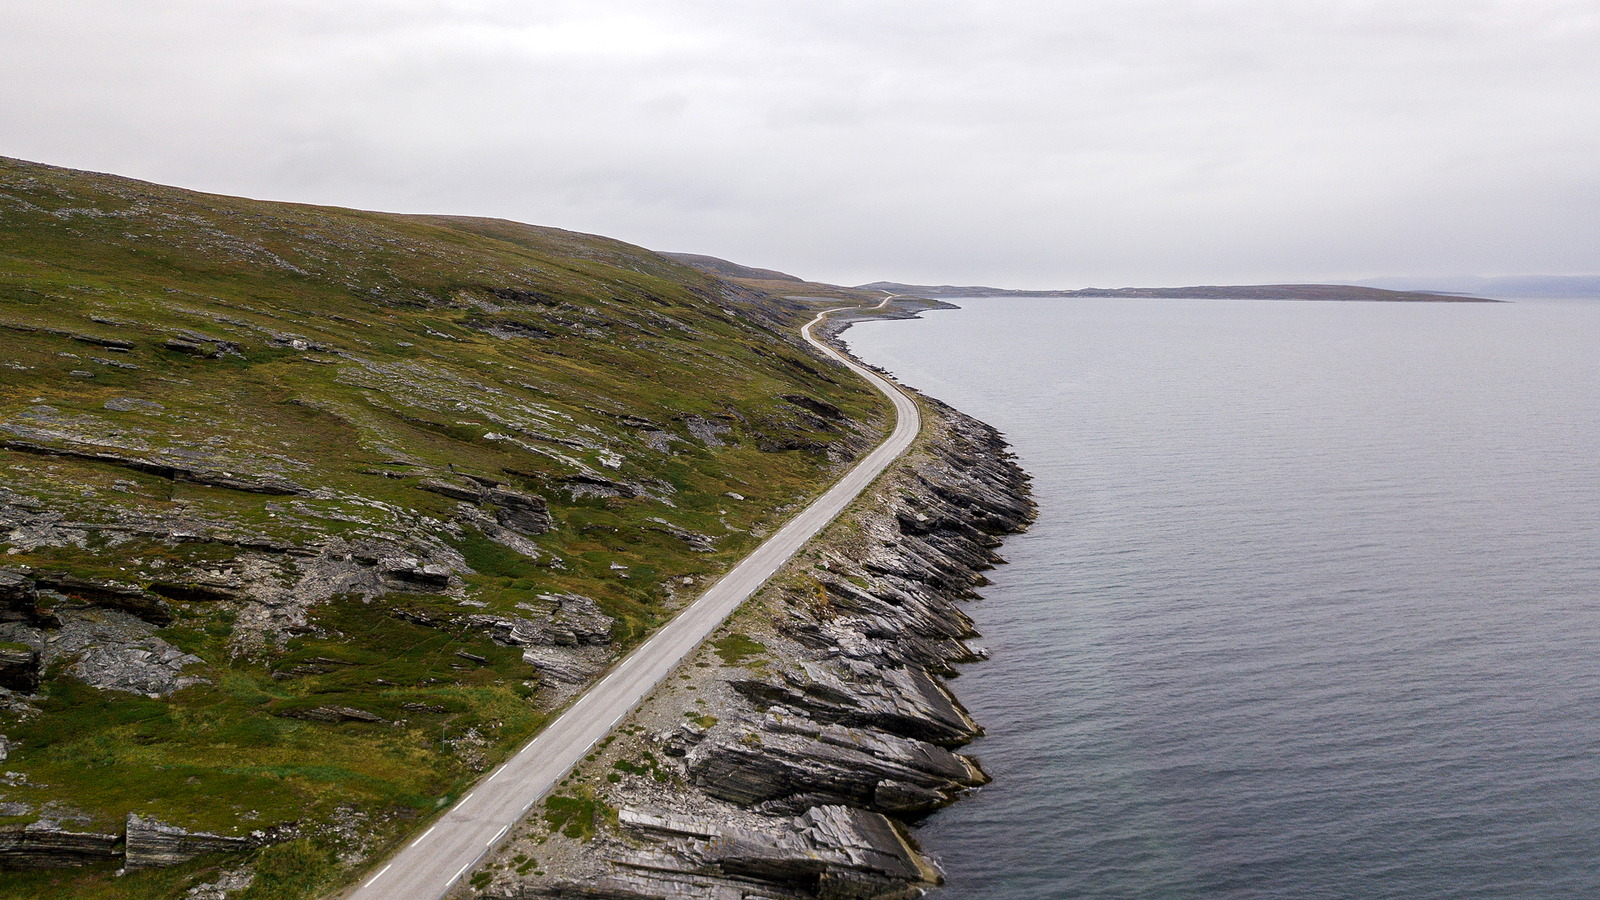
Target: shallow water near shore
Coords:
[[1311, 609]]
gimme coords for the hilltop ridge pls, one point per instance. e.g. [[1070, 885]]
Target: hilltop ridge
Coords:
[[731, 269]]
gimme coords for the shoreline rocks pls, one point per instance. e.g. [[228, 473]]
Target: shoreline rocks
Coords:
[[800, 768]]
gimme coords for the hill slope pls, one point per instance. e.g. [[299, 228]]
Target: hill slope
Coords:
[[309, 514], [731, 269]]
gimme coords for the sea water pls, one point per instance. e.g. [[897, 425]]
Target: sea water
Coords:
[[1311, 609]]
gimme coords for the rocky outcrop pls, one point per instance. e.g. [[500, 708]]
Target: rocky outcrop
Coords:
[[44, 845], [568, 620], [148, 844], [169, 468], [526, 514], [560, 666], [699, 543], [904, 700], [419, 572], [791, 763], [562, 636], [129, 598], [18, 594], [333, 714], [819, 407], [802, 767], [195, 590], [150, 670], [19, 667], [152, 844], [104, 648], [114, 344], [19, 663], [829, 852]]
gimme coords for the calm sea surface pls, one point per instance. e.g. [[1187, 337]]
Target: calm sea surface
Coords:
[[1312, 608]]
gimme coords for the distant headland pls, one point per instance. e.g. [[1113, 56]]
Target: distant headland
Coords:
[[1203, 292], [782, 283]]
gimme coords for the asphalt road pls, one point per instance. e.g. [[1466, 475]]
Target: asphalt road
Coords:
[[430, 864]]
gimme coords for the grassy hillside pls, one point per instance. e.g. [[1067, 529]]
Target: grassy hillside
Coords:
[[310, 514]]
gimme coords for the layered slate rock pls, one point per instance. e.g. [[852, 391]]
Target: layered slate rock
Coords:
[[152, 844], [148, 844], [568, 621], [19, 668], [174, 469], [803, 770], [129, 598], [904, 700], [331, 714], [43, 845], [18, 596], [795, 760], [526, 514], [831, 852]]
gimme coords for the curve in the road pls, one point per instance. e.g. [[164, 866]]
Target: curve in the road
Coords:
[[429, 865]]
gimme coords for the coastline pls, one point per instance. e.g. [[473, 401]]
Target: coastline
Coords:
[[785, 757]]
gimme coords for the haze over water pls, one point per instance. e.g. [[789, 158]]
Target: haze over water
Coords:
[[1311, 609]]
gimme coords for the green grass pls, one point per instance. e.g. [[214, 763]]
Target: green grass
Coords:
[[577, 817], [736, 648], [292, 870], [426, 342]]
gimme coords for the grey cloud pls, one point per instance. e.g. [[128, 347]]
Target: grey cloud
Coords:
[[1027, 144]]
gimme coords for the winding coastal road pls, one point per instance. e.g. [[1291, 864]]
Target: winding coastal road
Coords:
[[430, 865]]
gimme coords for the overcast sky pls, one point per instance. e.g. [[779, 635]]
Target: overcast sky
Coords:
[[1019, 144]]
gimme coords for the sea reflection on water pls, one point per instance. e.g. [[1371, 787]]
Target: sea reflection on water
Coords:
[[1311, 608]]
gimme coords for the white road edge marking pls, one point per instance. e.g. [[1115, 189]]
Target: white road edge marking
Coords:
[[379, 875]]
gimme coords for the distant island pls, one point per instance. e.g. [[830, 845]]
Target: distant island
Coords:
[[1202, 292], [781, 283]]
